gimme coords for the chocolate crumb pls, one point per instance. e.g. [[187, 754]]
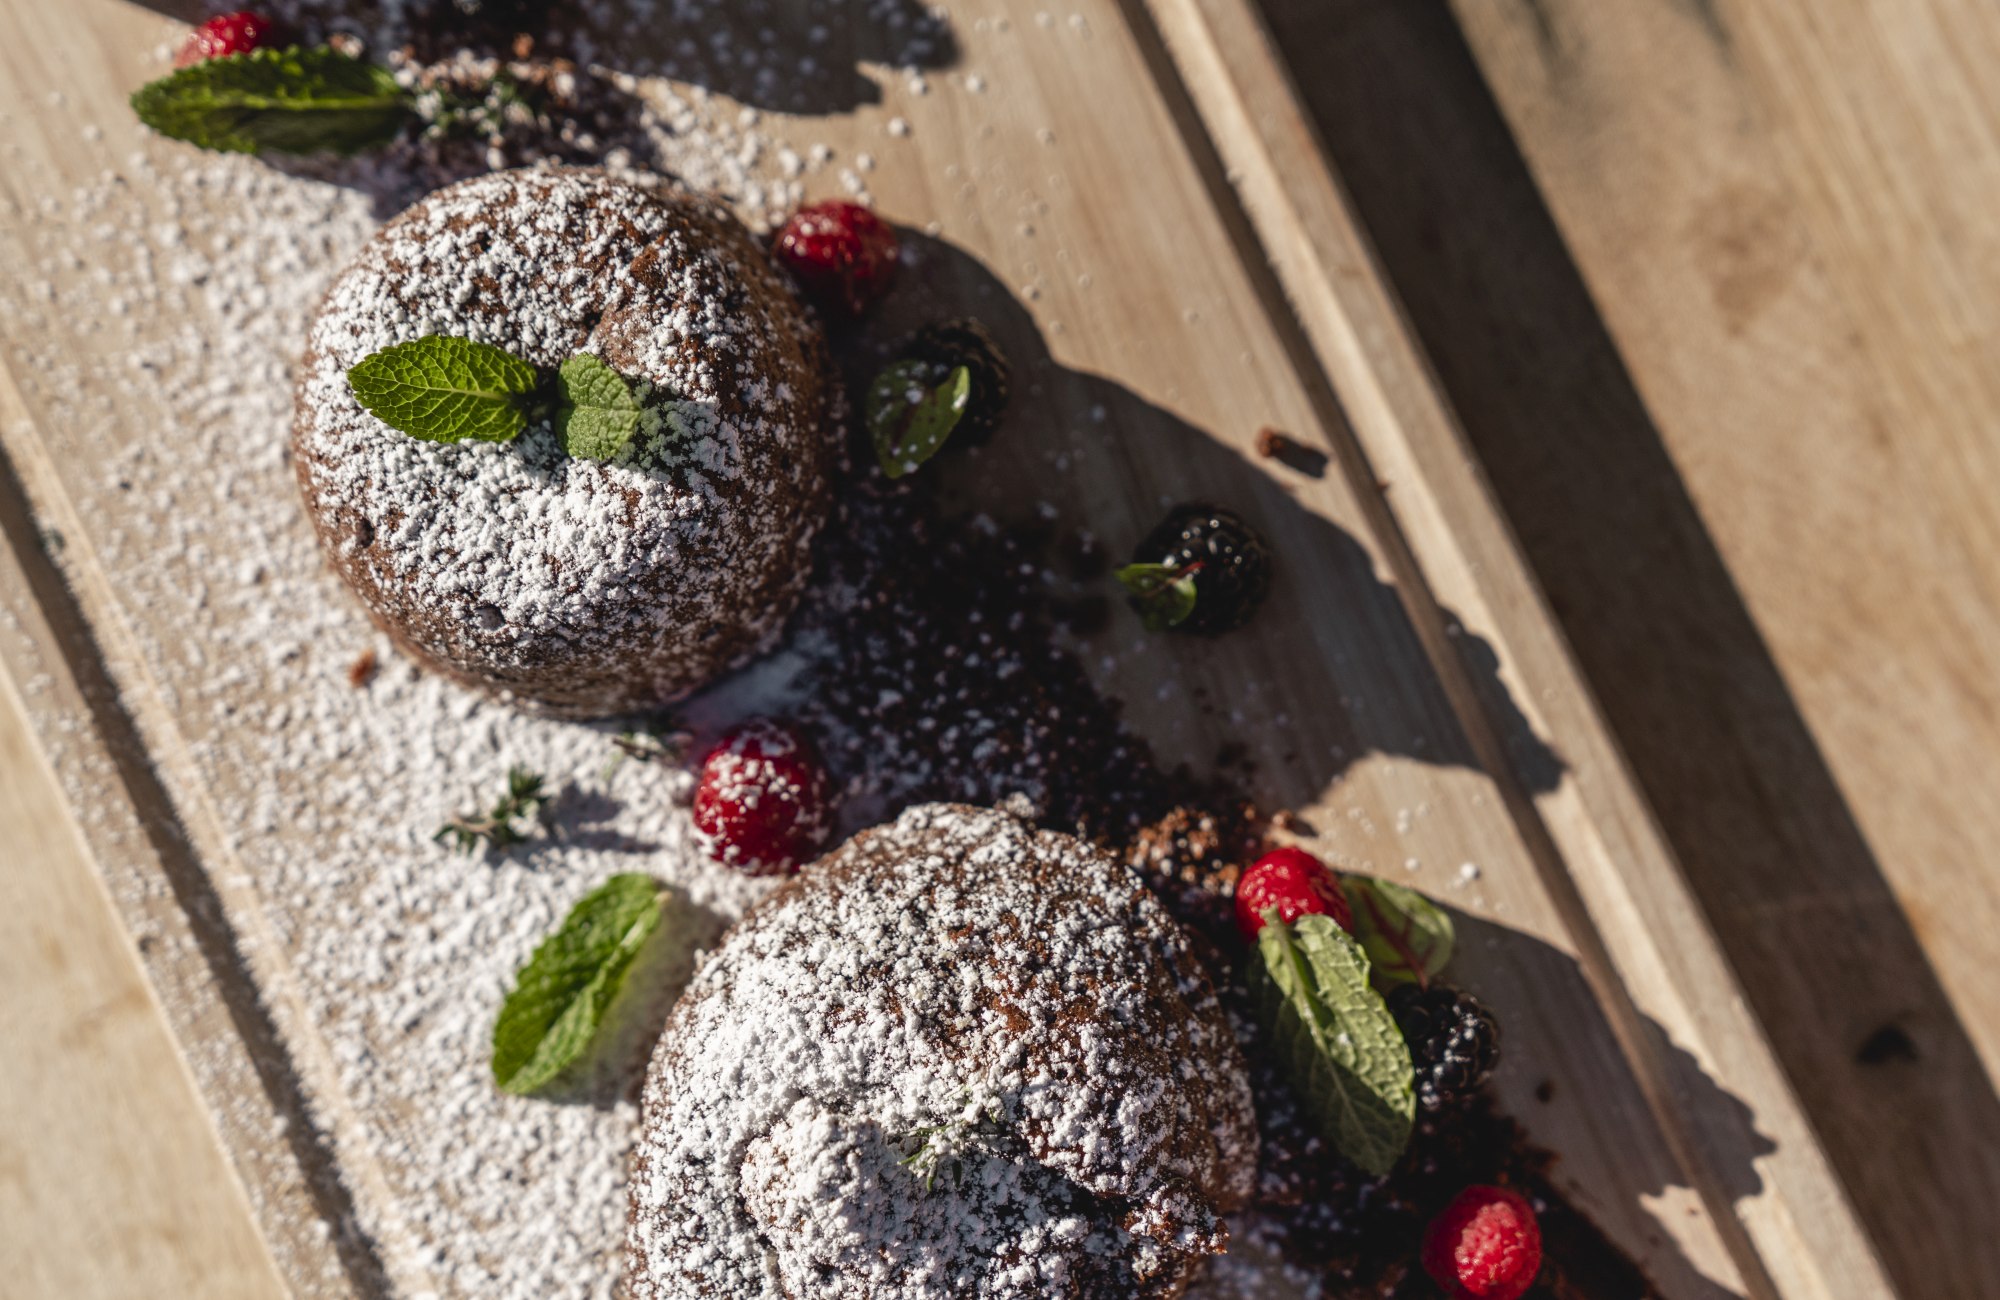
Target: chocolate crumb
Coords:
[[1545, 1091], [362, 670], [1274, 444]]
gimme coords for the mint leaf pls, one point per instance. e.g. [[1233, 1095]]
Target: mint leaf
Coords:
[[911, 412], [600, 412], [1339, 1044], [287, 101], [1164, 594], [1407, 937], [445, 389], [548, 1021]]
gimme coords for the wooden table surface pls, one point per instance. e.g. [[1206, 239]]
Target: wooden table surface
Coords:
[[1715, 287], [1711, 284]]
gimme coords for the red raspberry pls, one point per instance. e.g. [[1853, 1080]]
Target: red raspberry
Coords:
[[1296, 883], [1485, 1246], [761, 803], [840, 252], [237, 33]]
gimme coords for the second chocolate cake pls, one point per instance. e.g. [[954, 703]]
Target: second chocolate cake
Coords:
[[958, 1056]]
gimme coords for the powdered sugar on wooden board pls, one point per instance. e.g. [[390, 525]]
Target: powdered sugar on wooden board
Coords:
[[395, 950]]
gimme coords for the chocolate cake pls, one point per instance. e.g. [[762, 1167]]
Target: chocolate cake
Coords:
[[958, 1056], [572, 586]]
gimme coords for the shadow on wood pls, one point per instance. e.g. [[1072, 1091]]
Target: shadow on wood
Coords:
[[794, 56], [1824, 950]]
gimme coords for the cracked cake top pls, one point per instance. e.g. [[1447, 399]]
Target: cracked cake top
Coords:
[[958, 1056]]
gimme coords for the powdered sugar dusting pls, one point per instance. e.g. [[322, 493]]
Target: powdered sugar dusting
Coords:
[[956, 1056], [394, 951], [582, 587]]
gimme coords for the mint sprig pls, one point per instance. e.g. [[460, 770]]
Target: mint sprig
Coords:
[[293, 100], [600, 413], [1340, 1046], [911, 412], [445, 389], [1164, 594], [1408, 938], [559, 999]]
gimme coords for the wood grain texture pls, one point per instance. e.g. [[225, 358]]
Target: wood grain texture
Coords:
[[1706, 284], [1396, 726], [112, 1182], [1624, 896]]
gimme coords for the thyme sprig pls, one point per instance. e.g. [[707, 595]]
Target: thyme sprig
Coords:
[[525, 801]]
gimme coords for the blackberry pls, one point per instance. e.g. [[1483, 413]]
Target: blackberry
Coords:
[[1453, 1039], [1203, 569], [965, 342]]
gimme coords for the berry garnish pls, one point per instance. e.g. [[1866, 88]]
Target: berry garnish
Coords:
[[840, 253], [1454, 1040], [946, 345], [237, 33], [761, 804], [1202, 570], [1486, 1245], [1296, 883]]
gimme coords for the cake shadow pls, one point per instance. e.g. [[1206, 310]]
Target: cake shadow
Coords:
[[1133, 458], [1089, 466], [1519, 974]]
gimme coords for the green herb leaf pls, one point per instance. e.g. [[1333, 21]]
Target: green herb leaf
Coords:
[[445, 389], [559, 998], [911, 412], [1164, 594], [1340, 1046], [287, 101], [1408, 938], [600, 412], [525, 798]]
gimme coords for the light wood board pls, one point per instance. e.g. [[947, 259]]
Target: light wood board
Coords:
[[1075, 177], [1669, 264], [112, 1183]]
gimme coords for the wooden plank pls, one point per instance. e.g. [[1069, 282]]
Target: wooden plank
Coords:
[[112, 1181], [1059, 171], [1737, 469], [1645, 940], [57, 676]]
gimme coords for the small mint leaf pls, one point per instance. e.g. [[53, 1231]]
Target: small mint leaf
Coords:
[[445, 389], [1407, 937], [600, 412], [911, 412], [286, 101], [1339, 1045], [547, 1023], [1164, 594]]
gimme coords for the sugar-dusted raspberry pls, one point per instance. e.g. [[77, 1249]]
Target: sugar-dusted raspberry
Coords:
[[1296, 883], [237, 33], [762, 802], [840, 253], [1486, 1245]]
